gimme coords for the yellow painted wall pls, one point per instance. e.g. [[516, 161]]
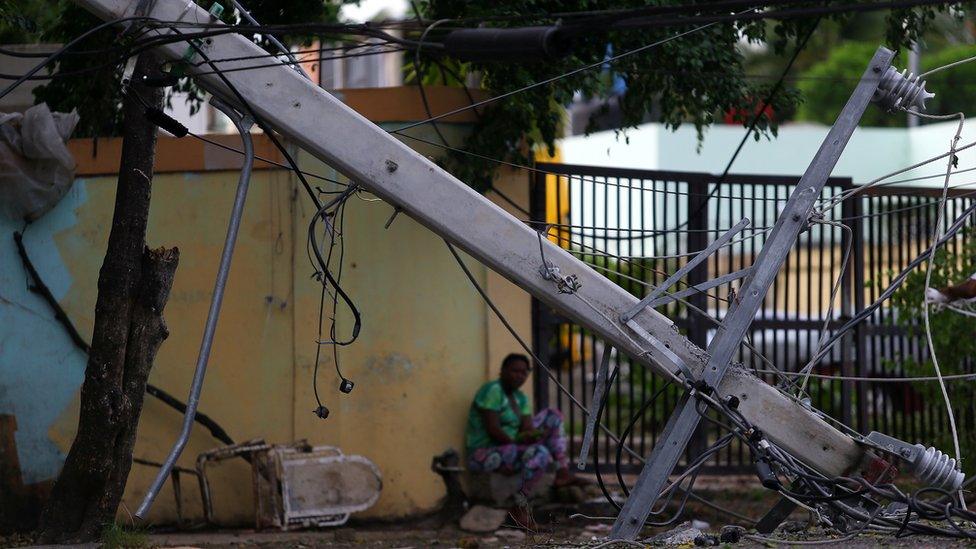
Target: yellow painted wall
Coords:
[[427, 343]]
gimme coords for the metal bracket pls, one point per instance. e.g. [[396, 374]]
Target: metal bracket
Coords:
[[680, 273], [668, 355], [599, 388], [699, 288], [929, 465]]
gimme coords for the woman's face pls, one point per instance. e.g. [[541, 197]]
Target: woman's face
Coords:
[[514, 374]]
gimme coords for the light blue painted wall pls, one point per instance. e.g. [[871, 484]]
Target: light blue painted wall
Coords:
[[40, 368]]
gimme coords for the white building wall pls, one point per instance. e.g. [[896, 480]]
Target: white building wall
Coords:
[[871, 152]]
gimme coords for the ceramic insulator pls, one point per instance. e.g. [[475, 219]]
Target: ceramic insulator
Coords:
[[936, 469], [902, 90]]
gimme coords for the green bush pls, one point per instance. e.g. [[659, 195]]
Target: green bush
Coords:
[[827, 86], [953, 87], [953, 337]]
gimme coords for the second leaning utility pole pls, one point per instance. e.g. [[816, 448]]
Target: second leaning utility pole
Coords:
[[794, 218]]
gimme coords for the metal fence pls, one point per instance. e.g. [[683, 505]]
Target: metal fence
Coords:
[[638, 226]]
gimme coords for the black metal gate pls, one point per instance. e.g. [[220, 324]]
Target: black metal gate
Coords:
[[638, 226]]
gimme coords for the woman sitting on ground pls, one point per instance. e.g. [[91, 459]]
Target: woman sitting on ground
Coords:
[[502, 435]]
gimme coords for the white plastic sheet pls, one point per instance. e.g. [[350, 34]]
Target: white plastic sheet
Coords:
[[36, 168]]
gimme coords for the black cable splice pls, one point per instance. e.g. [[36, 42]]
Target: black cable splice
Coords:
[[755, 436], [766, 475], [702, 387], [166, 122], [507, 44], [164, 80]]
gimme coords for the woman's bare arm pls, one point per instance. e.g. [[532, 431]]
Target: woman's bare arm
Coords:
[[493, 425]]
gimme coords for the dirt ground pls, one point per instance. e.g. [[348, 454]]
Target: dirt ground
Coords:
[[560, 525], [397, 536], [411, 536]]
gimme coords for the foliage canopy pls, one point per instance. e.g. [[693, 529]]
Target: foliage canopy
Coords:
[[97, 95], [694, 79]]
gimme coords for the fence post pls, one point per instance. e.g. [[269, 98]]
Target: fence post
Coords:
[[698, 239], [853, 210], [849, 358], [542, 317]]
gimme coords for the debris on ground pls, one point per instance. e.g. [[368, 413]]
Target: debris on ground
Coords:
[[483, 519], [683, 534], [510, 535]]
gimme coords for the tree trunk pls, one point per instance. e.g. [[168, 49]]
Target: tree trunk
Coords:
[[133, 286]]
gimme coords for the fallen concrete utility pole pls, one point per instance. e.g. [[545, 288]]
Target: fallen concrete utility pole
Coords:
[[329, 130]]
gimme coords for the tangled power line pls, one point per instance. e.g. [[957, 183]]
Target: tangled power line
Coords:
[[844, 503]]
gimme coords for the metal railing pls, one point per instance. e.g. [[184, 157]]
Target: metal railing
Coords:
[[637, 226]]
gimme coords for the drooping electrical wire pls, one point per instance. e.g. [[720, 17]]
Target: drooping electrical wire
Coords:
[[936, 233], [823, 489]]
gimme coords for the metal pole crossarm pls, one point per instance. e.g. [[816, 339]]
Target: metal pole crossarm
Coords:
[[331, 131], [686, 268], [699, 288]]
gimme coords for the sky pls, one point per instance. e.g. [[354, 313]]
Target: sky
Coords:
[[368, 9]]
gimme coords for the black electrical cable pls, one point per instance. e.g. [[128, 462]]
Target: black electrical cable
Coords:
[[596, 441], [41, 288], [123, 53], [60, 51], [308, 188], [257, 120], [626, 433], [62, 74], [373, 30], [924, 509], [331, 228], [321, 301], [220, 29], [335, 230], [289, 63], [779, 14], [357, 319], [268, 161], [599, 64], [419, 70], [620, 19], [335, 296], [340, 51], [623, 486], [160, 40], [321, 411], [694, 466], [34, 55], [822, 495]]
